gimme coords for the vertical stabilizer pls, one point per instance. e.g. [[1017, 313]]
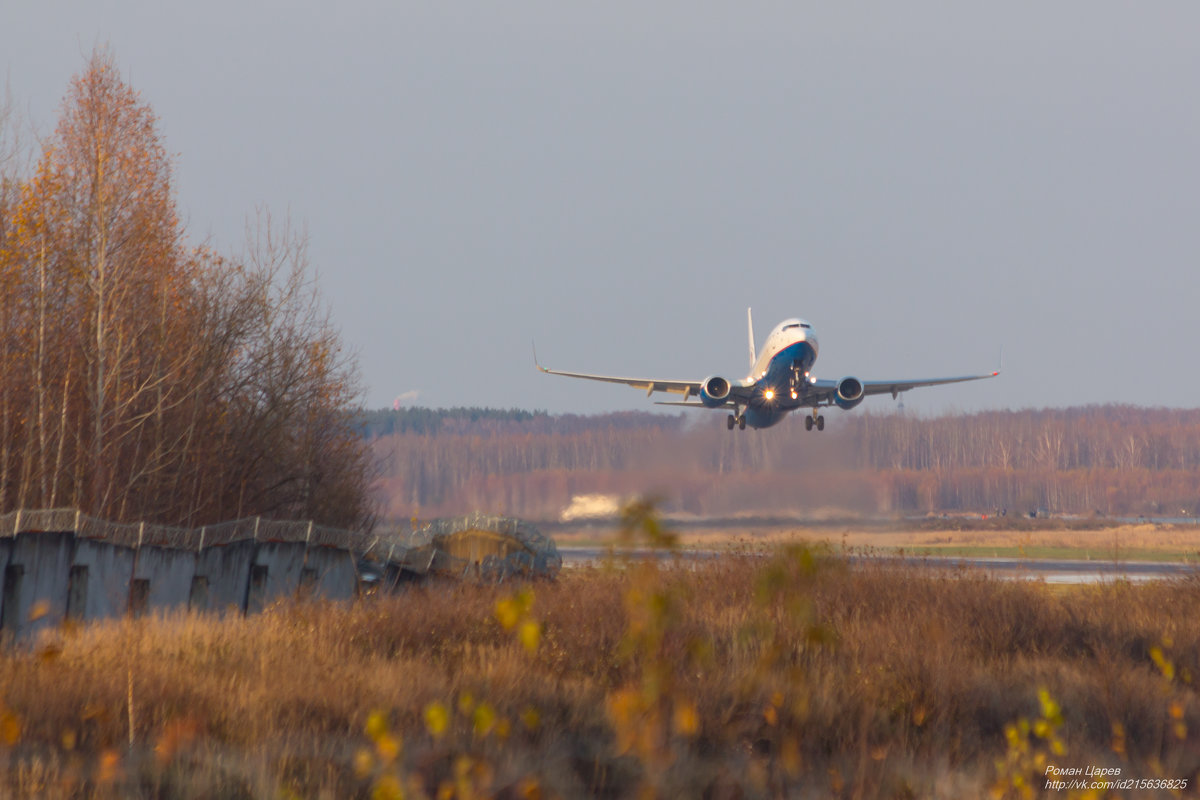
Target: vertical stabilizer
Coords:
[[750, 323]]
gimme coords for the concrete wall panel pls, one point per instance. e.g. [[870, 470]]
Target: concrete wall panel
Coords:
[[282, 562], [44, 560], [170, 574], [333, 575], [227, 571], [6, 546], [105, 582]]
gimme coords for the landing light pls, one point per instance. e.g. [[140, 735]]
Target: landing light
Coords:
[[769, 394], [793, 394]]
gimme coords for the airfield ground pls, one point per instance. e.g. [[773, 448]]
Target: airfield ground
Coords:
[[794, 675], [993, 537]]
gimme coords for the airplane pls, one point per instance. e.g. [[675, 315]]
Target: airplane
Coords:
[[780, 381]]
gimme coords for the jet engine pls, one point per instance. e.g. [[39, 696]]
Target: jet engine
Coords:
[[714, 391], [849, 393]]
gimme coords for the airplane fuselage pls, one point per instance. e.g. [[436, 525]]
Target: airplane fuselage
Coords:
[[782, 373]]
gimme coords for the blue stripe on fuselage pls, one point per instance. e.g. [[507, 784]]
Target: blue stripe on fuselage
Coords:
[[800, 354], [762, 414]]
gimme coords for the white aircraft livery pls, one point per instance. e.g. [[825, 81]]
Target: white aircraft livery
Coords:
[[780, 381]]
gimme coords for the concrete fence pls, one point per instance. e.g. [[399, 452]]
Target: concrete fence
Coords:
[[59, 564]]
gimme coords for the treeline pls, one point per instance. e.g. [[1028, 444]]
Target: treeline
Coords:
[[146, 379], [1116, 460]]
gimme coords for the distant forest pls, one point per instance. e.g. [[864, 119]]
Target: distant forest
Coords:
[[1111, 460]]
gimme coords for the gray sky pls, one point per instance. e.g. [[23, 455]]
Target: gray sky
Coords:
[[927, 182]]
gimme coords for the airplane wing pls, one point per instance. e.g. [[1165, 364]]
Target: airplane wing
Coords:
[[826, 389], [650, 385]]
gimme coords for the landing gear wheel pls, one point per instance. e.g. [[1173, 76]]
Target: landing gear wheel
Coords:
[[742, 422], [808, 423], [821, 423], [730, 422]]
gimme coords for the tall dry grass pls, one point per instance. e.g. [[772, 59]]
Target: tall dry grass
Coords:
[[794, 675]]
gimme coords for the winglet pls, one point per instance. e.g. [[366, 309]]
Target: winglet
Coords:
[[535, 358]]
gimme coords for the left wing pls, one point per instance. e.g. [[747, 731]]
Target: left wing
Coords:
[[824, 390]]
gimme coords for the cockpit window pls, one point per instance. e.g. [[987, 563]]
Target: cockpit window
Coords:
[[805, 325], [797, 325]]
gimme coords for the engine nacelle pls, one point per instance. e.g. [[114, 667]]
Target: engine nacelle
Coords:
[[714, 391], [849, 393]]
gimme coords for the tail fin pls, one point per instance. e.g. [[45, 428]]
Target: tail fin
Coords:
[[750, 323]]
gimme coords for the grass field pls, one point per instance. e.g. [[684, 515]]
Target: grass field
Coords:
[[791, 676], [995, 537]]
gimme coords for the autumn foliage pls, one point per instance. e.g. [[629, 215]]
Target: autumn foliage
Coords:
[[145, 379]]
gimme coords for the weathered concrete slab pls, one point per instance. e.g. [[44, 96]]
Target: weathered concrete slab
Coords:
[[5, 551], [98, 580], [226, 572], [329, 573], [36, 582], [169, 572], [275, 574]]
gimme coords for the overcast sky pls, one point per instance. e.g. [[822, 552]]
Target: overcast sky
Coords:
[[927, 182]]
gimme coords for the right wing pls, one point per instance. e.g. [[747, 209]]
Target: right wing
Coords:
[[688, 389]]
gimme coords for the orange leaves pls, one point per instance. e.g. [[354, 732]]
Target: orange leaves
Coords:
[[149, 381]]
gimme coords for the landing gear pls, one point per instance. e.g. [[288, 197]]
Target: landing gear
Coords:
[[815, 420], [738, 419], [798, 381]]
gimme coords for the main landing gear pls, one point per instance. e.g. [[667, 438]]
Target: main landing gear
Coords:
[[816, 419], [736, 419]]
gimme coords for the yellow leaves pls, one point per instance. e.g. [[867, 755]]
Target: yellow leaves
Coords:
[[376, 725], [531, 718], [512, 609], [771, 715], [109, 768], [363, 763], [39, 610], [437, 720], [10, 727], [1164, 664], [686, 719], [514, 612], [388, 746], [530, 635], [1178, 726], [483, 720], [388, 787], [1118, 738]]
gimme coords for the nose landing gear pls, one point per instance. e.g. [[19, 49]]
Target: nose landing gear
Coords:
[[796, 381]]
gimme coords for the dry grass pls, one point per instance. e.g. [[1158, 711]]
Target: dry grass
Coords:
[[742, 677], [1085, 538]]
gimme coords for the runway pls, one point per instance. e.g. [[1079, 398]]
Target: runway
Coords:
[[1063, 571]]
